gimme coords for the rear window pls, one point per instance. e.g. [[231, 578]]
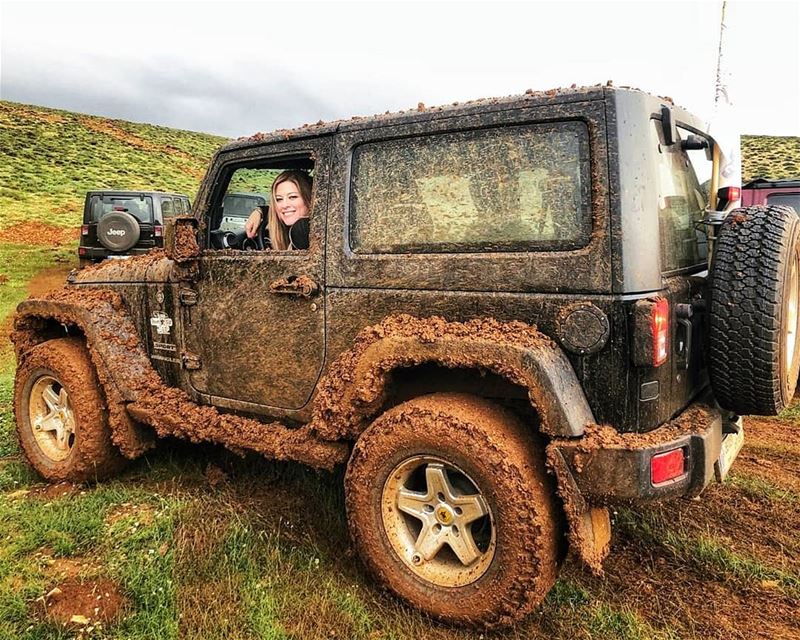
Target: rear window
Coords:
[[240, 206], [141, 207], [682, 200], [516, 188], [788, 199]]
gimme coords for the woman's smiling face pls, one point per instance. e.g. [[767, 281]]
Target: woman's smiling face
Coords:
[[290, 204]]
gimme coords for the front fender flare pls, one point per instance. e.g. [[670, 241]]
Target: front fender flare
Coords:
[[113, 345]]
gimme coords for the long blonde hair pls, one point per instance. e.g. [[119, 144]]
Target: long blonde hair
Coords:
[[279, 232]]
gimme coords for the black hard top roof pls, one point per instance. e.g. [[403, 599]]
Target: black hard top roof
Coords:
[[529, 99], [107, 192], [766, 183]]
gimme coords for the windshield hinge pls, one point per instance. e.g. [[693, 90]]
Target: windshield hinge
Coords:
[[190, 361], [188, 297]]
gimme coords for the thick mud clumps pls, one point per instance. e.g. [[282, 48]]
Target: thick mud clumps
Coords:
[[589, 532], [134, 389], [355, 387], [603, 437], [185, 246]]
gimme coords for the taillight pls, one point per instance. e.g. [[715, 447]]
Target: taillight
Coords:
[[667, 466], [84, 229], [158, 231], [727, 195], [81, 251], [659, 327]]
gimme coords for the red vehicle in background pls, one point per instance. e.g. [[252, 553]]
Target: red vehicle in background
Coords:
[[764, 191]]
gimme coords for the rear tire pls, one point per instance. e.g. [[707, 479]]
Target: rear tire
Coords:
[[450, 507], [754, 341], [62, 422]]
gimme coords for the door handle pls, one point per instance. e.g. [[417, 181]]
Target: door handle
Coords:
[[303, 286]]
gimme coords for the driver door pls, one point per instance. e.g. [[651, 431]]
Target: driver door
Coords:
[[255, 340]]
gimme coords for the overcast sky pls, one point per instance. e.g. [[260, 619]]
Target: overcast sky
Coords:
[[234, 68]]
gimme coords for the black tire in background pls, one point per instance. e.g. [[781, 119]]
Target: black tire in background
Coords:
[[754, 350], [118, 231]]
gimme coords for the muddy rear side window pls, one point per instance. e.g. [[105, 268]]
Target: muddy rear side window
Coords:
[[516, 188]]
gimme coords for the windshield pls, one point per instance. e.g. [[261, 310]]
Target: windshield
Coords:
[[241, 206], [141, 207]]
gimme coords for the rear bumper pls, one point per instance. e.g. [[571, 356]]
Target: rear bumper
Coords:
[[611, 467], [93, 253]]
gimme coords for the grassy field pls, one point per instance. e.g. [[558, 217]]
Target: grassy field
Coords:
[[770, 157], [193, 542], [49, 159]]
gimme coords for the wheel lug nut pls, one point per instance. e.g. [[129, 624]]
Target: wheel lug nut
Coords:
[[416, 559]]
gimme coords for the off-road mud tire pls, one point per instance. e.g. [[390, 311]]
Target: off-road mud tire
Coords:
[[754, 270], [92, 456], [506, 463]]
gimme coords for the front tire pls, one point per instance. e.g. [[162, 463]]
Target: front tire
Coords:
[[61, 417], [450, 507]]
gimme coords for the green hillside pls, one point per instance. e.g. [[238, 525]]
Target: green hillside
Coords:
[[770, 157], [49, 159]]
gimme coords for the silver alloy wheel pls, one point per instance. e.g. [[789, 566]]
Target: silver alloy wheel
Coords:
[[437, 521], [52, 419], [792, 315]]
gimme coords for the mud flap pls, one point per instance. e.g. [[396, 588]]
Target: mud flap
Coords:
[[589, 528]]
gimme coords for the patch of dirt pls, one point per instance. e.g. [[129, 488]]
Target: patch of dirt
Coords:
[[107, 127], [39, 234], [44, 281], [66, 568], [54, 491], [48, 279], [140, 514], [771, 452], [668, 594], [82, 604]]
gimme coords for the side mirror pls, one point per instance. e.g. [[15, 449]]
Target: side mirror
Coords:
[[180, 239], [668, 126]]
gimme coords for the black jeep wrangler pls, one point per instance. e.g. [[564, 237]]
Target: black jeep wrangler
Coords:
[[126, 223], [513, 314]]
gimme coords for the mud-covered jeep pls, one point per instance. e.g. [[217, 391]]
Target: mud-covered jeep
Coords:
[[512, 315]]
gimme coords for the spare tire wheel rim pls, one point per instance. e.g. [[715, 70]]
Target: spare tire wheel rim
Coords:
[[792, 303], [52, 418], [437, 521]]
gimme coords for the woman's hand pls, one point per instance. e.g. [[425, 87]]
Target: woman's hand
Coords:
[[251, 226]]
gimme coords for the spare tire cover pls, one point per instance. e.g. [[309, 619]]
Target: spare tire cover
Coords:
[[754, 321], [118, 231]]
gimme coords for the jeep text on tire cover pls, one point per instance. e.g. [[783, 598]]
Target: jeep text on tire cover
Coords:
[[510, 315]]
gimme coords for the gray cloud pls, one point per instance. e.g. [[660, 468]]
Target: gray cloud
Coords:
[[172, 94]]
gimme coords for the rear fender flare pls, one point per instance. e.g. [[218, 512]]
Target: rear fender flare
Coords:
[[353, 390]]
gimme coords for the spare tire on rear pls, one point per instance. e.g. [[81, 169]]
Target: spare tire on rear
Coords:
[[754, 350], [118, 231]]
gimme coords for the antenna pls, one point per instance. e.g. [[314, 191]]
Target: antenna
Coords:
[[720, 87]]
